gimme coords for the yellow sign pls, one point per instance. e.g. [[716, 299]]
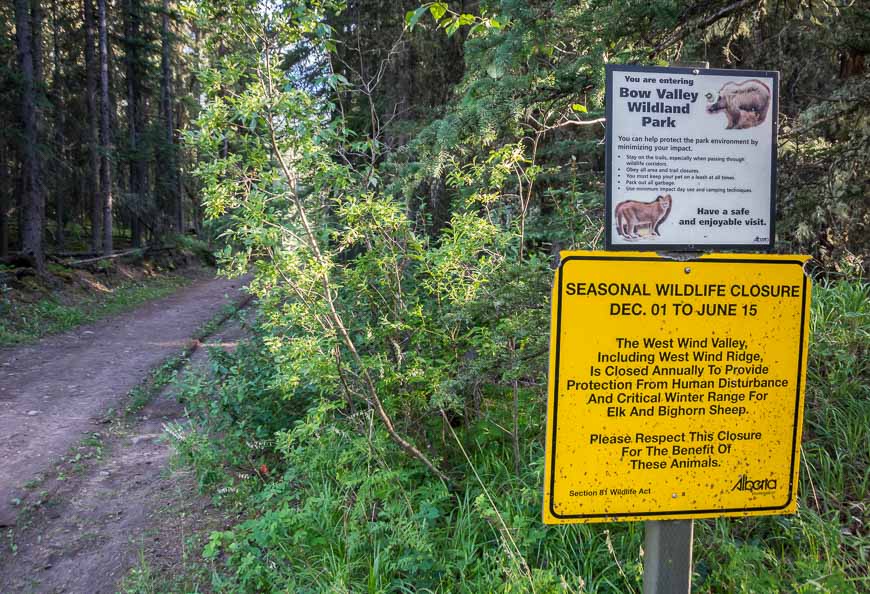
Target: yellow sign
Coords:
[[676, 388]]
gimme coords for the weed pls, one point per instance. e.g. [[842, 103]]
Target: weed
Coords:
[[157, 379], [140, 579], [10, 541]]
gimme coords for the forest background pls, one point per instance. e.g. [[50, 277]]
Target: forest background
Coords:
[[401, 178]]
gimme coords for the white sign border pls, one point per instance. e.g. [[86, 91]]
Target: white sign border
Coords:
[[608, 168]]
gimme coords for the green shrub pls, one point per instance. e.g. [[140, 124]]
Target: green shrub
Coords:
[[385, 432], [342, 509]]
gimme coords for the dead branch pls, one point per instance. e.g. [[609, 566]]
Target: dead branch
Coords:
[[683, 30]]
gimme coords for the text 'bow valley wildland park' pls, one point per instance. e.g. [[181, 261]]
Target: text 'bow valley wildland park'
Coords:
[[690, 157]]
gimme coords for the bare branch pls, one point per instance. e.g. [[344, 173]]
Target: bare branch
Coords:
[[683, 30], [337, 321]]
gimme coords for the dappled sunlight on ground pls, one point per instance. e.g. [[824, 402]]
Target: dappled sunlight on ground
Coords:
[[95, 285], [224, 345], [184, 343]]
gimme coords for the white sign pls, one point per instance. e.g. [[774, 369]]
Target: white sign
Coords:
[[691, 158]]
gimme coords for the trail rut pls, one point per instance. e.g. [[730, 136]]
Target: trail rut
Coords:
[[52, 392]]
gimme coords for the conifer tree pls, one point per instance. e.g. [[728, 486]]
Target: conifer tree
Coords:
[[105, 129], [92, 175], [32, 196]]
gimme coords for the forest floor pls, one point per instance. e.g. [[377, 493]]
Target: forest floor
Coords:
[[64, 297], [84, 487]]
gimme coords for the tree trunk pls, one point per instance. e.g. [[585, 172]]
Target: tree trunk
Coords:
[[171, 171], [36, 18], [4, 203], [195, 90], [137, 164], [105, 132], [92, 183], [39, 86], [18, 176], [59, 139], [32, 199]]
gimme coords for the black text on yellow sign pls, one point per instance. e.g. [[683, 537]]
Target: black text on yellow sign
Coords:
[[676, 388]]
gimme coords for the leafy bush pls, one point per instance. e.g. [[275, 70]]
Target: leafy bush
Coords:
[[342, 509], [384, 431]]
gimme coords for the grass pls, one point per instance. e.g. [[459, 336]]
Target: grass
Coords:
[[25, 322], [159, 377], [347, 513], [141, 579], [186, 576]]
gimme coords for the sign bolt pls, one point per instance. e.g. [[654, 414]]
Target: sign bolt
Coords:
[[687, 270]]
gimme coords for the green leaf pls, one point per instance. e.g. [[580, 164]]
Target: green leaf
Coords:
[[494, 71], [335, 80], [412, 17], [451, 26], [438, 10], [580, 108]]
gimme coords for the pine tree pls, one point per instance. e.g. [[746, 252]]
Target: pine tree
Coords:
[[105, 129], [60, 156], [32, 197], [170, 187], [92, 177], [136, 153]]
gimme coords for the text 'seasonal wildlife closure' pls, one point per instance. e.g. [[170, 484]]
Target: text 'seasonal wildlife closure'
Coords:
[[676, 388], [691, 158]]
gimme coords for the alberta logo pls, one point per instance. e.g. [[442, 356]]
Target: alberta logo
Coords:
[[744, 483]]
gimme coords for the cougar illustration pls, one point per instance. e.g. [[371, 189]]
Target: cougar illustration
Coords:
[[745, 104], [631, 214]]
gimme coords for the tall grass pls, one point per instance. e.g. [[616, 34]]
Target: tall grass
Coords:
[[346, 513]]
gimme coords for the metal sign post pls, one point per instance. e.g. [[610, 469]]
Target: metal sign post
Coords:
[[667, 564]]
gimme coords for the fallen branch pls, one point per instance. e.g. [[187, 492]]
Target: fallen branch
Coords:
[[99, 258]]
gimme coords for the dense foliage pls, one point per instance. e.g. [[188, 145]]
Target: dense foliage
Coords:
[[61, 173], [402, 211]]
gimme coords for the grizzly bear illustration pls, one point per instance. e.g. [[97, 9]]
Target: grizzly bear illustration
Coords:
[[633, 214], [745, 104]]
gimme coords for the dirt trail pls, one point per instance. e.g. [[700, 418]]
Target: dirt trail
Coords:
[[124, 508], [53, 392]]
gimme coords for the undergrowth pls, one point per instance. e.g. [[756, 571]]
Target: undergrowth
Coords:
[[25, 322], [332, 505]]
